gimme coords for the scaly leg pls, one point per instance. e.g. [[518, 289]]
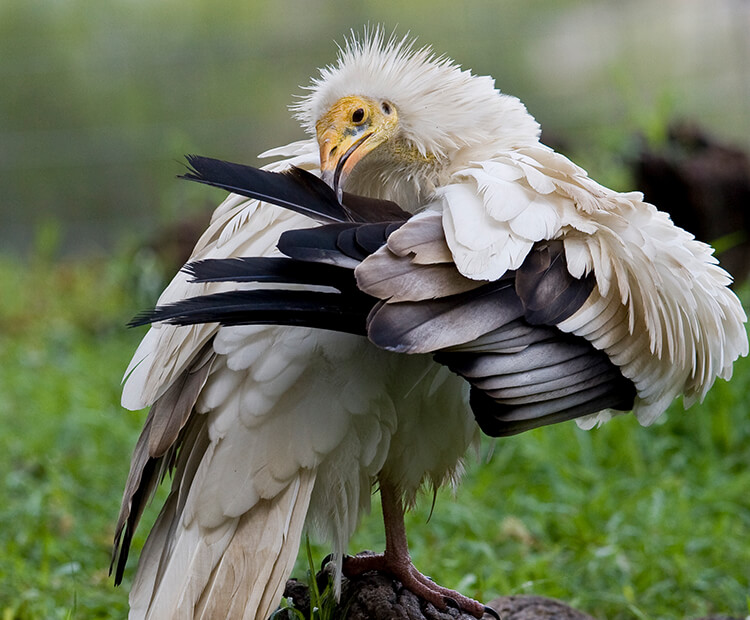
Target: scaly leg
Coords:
[[397, 562]]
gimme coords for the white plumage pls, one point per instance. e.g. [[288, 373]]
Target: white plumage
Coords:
[[272, 428]]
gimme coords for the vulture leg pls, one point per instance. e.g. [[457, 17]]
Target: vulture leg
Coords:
[[396, 561]]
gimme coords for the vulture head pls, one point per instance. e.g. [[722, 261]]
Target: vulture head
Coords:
[[391, 120]]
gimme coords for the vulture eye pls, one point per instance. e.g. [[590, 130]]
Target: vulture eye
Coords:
[[358, 115], [386, 107]]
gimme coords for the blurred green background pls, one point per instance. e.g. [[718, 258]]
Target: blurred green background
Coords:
[[99, 101]]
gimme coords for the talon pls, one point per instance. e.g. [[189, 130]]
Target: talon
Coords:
[[488, 611], [451, 602]]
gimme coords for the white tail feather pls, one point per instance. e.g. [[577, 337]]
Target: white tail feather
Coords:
[[236, 571]]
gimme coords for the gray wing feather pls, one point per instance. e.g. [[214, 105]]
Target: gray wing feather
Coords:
[[428, 326], [501, 336], [394, 278], [156, 450]]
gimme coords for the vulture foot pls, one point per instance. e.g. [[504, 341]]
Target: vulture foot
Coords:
[[401, 567]]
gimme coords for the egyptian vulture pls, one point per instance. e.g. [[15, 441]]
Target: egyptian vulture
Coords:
[[468, 278]]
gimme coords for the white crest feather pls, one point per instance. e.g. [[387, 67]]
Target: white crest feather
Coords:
[[426, 89]]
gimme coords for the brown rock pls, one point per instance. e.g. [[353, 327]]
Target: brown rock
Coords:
[[376, 596], [534, 608]]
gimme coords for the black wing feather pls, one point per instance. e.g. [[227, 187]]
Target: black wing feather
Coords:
[[548, 292], [318, 245], [334, 311], [499, 420], [335, 243], [295, 189], [368, 209], [369, 238], [278, 270]]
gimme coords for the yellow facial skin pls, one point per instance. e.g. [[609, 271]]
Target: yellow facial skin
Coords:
[[353, 127]]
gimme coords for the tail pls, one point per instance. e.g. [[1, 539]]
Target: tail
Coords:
[[235, 571]]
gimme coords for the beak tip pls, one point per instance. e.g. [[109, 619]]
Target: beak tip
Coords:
[[329, 178]]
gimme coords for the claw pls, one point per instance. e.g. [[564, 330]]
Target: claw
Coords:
[[488, 611], [451, 602]]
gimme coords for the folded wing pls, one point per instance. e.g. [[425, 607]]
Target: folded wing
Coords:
[[395, 282]]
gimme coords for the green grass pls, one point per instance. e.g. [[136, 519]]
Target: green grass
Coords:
[[64, 441], [622, 522]]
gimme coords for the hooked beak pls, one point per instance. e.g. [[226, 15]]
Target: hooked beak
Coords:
[[352, 127], [339, 153]]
